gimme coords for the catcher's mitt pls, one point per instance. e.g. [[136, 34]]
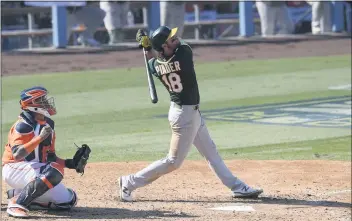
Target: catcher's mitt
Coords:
[[81, 157]]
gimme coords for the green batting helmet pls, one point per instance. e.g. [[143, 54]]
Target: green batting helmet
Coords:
[[160, 35]]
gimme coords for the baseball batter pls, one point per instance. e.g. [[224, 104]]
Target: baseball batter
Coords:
[[172, 64], [30, 165]]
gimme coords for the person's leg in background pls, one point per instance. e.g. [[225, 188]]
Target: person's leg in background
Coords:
[[164, 19], [326, 18], [178, 16], [109, 18], [115, 19], [71, 21], [172, 15], [124, 7], [267, 22], [284, 20], [317, 11]]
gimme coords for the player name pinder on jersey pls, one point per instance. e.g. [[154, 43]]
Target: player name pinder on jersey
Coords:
[[167, 68], [178, 76]]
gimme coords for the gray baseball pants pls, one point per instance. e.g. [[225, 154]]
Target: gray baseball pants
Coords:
[[188, 127]]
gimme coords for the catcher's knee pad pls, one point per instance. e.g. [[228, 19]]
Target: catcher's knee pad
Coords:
[[58, 167], [52, 174]]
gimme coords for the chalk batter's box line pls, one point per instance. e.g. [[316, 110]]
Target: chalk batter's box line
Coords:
[[324, 117], [261, 106], [227, 114], [268, 113], [276, 106], [213, 115], [282, 124]]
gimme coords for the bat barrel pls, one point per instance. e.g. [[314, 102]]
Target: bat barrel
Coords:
[[151, 85]]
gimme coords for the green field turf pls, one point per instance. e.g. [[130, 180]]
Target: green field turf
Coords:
[[111, 111]]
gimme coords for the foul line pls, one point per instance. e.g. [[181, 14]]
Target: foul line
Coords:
[[235, 208], [336, 192]]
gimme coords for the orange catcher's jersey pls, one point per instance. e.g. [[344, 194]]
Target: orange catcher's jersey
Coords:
[[22, 132]]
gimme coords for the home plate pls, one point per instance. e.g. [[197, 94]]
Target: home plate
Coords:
[[235, 208]]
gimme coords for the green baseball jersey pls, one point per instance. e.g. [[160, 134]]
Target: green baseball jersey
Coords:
[[178, 76]]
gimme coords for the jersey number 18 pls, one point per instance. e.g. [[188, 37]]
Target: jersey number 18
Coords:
[[173, 81]]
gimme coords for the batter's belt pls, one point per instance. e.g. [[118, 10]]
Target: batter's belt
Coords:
[[195, 107]]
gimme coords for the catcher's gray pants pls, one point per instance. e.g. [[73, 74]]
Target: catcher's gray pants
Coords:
[[172, 14], [188, 127]]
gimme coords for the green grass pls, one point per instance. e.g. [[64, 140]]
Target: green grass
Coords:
[[111, 110], [86, 81], [322, 149]]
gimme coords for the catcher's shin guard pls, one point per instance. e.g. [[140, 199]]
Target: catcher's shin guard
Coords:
[[57, 206], [49, 177]]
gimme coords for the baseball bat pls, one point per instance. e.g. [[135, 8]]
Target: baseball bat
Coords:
[[152, 90]]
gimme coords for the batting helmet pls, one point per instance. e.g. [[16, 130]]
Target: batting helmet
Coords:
[[35, 99], [160, 35]]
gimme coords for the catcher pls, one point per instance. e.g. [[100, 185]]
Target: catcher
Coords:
[[30, 165]]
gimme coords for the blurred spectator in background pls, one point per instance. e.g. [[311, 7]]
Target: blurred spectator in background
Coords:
[[274, 15], [91, 16], [321, 16], [172, 14], [115, 19], [12, 20], [12, 4], [43, 20]]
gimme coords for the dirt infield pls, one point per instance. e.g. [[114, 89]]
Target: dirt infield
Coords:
[[293, 190], [96, 60]]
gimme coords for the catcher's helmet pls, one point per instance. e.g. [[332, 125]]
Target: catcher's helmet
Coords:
[[160, 35], [34, 99]]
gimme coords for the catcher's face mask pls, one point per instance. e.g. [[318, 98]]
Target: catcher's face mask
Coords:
[[47, 105], [35, 99]]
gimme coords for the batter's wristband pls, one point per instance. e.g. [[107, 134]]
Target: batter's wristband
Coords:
[[147, 48], [70, 164]]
